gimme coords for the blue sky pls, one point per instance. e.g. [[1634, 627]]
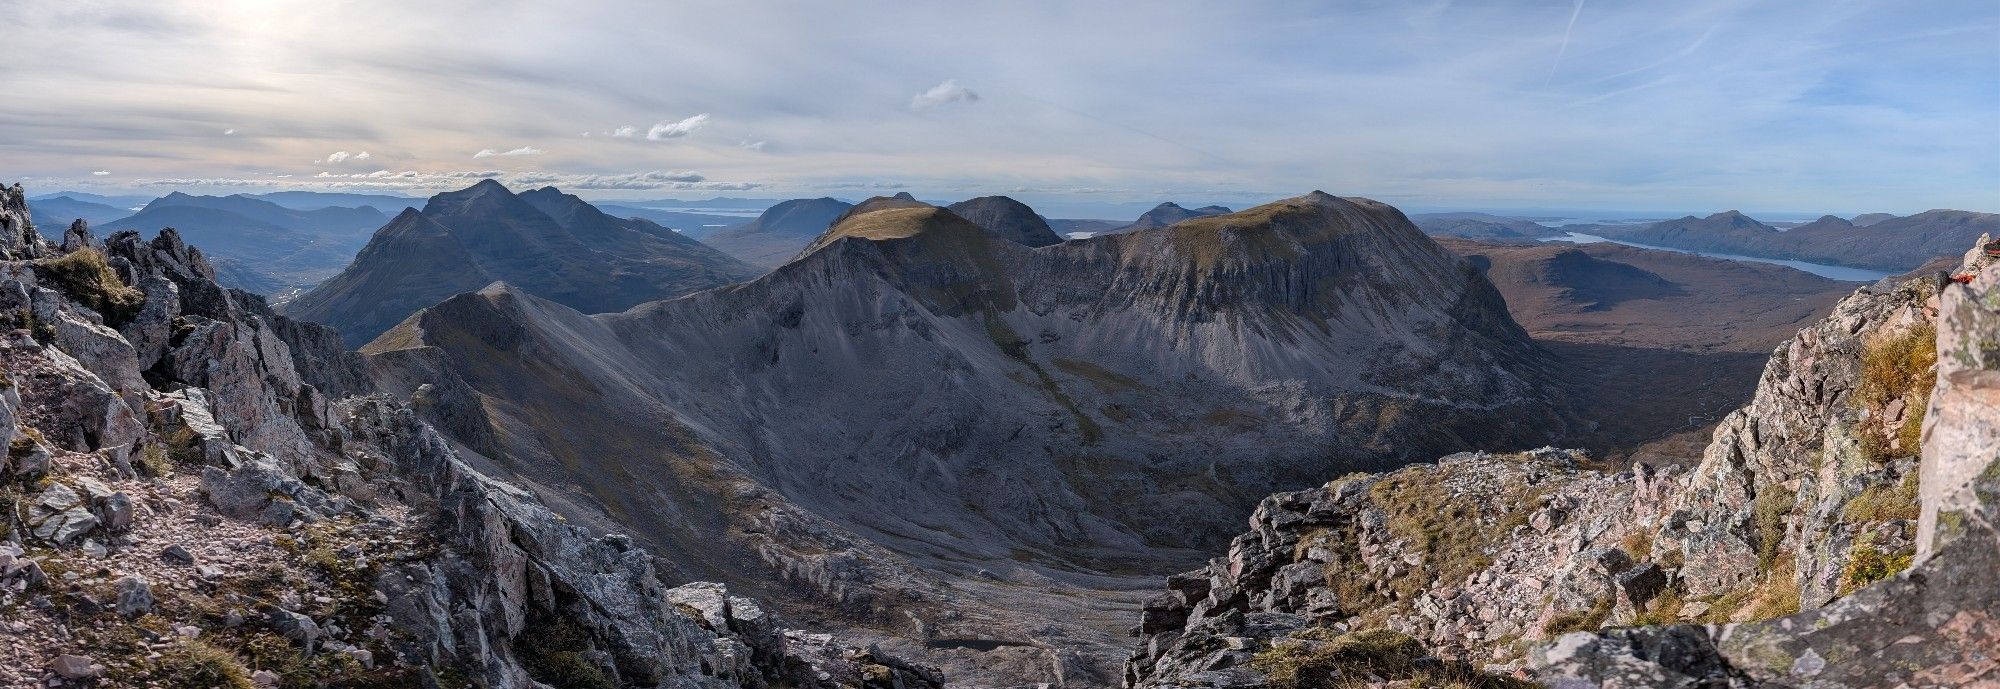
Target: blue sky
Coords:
[[1840, 107]]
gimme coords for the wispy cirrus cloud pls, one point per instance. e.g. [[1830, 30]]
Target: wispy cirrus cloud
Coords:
[[676, 129], [512, 152]]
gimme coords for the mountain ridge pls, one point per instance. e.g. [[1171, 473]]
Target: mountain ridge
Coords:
[[469, 238], [925, 395]]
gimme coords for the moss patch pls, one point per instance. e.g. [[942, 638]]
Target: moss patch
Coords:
[[85, 277], [1882, 502], [554, 655], [1867, 564]]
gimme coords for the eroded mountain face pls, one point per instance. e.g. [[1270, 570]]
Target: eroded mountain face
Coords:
[[544, 242], [199, 492], [1790, 540], [959, 437]]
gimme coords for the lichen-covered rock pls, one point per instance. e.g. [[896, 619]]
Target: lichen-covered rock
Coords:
[[1962, 426], [1934, 625], [1470, 556], [58, 515], [1807, 499]]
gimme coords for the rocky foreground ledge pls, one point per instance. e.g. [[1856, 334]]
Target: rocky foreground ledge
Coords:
[[200, 493], [1811, 546]]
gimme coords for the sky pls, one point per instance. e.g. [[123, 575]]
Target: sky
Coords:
[[1823, 106]]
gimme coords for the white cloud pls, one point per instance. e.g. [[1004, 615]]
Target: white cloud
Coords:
[[338, 157], [753, 145], [522, 151], [675, 130], [625, 132], [100, 173], [947, 91], [229, 132]]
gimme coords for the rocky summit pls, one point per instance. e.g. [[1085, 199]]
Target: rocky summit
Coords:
[[544, 241], [959, 442], [1837, 533], [200, 492]]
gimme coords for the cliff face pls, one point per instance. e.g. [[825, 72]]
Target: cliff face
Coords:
[[199, 492], [1790, 540]]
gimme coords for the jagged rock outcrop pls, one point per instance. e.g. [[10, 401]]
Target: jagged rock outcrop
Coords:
[[1930, 626], [185, 498], [916, 401], [1010, 219], [551, 244], [18, 238], [1806, 500]]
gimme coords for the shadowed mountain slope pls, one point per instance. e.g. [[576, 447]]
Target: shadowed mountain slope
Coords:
[[545, 242], [1010, 219]]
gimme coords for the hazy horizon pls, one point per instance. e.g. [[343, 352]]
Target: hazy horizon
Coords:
[[1777, 109]]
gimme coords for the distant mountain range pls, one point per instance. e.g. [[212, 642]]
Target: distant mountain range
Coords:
[[257, 244], [116, 201], [1892, 244], [1482, 226], [59, 211], [544, 242], [1876, 241]]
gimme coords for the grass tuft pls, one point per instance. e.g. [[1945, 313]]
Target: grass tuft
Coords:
[[1882, 502], [1901, 366], [1358, 659], [196, 665], [87, 278], [1768, 513]]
